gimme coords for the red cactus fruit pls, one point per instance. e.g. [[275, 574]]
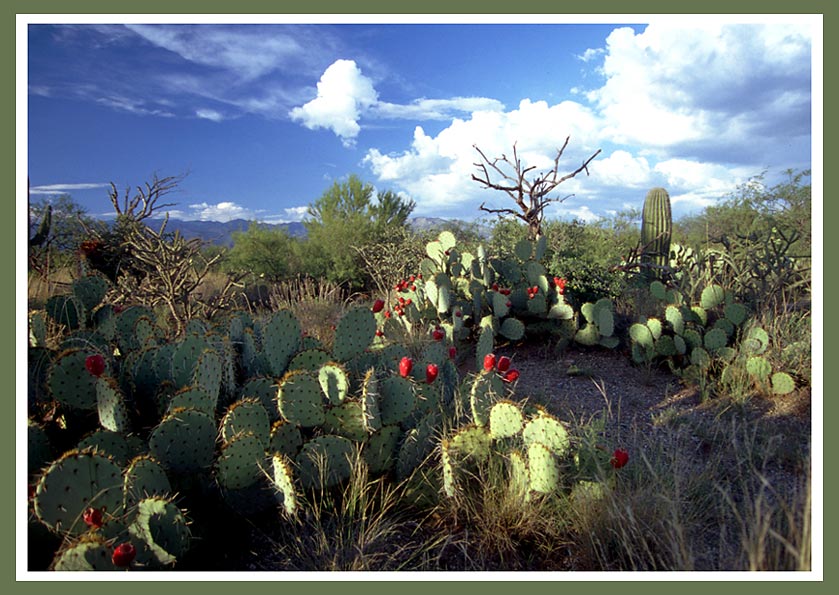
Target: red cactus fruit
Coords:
[[489, 361], [431, 373], [438, 334], [619, 458], [123, 555], [503, 364], [93, 517], [406, 364], [378, 306], [95, 364], [511, 375], [452, 352]]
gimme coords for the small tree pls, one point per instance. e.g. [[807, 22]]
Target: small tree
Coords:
[[348, 216], [531, 196]]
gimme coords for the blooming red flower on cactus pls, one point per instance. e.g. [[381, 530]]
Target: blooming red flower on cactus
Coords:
[[503, 364], [123, 554], [378, 306], [93, 517], [95, 364], [406, 364], [489, 361], [511, 375], [431, 373], [619, 458]]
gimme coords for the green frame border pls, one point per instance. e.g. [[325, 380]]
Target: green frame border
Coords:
[[764, 583]]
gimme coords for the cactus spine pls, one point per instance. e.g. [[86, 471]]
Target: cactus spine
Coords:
[[656, 231]]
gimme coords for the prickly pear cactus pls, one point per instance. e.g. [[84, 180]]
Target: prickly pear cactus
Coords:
[[76, 481], [184, 441]]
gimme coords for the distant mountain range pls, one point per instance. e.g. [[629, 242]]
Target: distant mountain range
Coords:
[[221, 232]]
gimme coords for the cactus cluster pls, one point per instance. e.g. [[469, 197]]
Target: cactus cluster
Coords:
[[241, 409], [715, 332]]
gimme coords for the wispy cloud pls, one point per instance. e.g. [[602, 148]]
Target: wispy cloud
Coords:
[[58, 189], [435, 109]]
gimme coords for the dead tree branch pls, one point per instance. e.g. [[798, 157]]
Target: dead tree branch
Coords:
[[531, 196]]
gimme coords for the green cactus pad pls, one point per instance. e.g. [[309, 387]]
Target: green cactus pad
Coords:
[[355, 333], [265, 389], [736, 313], [346, 420], [66, 310], [208, 373], [285, 439], [782, 383], [110, 403], [159, 532], [239, 462], [71, 484], [486, 390], [523, 249], [589, 335], [184, 441], [325, 461], [519, 475], [674, 316], [300, 399], [309, 360], [70, 383], [561, 311], [484, 347], [654, 324], [699, 315], [666, 346], [185, 358], [397, 399], [658, 290], [680, 345], [699, 357], [379, 452], [512, 328], [692, 338], [125, 323], [604, 316], [370, 398], [91, 552], [192, 398], [756, 341], [715, 339], [120, 447], [90, 290], [549, 431], [759, 367], [725, 325], [334, 382], [249, 416], [281, 339], [417, 445], [505, 420], [640, 334], [543, 467], [144, 477], [470, 444], [712, 296], [283, 479]]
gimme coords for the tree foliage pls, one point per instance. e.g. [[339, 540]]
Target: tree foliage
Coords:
[[347, 217], [265, 252]]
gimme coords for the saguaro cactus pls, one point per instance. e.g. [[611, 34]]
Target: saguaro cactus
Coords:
[[656, 231]]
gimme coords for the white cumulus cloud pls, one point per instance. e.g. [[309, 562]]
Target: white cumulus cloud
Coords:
[[344, 93]]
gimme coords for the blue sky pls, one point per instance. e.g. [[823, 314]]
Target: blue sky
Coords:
[[265, 117]]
